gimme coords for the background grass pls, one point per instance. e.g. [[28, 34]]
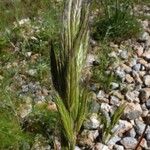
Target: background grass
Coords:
[[115, 21]]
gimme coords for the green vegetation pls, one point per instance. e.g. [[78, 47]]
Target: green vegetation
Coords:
[[25, 30], [115, 21], [110, 122], [100, 75], [66, 66], [12, 135]]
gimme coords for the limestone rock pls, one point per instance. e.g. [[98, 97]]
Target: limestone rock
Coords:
[[93, 122], [129, 79], [132, 96], [144, 94], [132, 111], [129, 142], [146, 80], [100, 146]]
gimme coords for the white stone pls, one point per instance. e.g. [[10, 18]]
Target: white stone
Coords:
[[114, 85], [32, 72], [129, 79], [77, 148], [144, 94], [139, 50], [126, 68], [28, 54], [133, 111], [122, 127], [105, 107], [114, 100], [144, 37], [114, 140], [120, 72], [136, 77], [146, 55], [93, 122], [100, 146], [90, 59], [129, 142], [118, 147], [101, 94], [132, 96], [124, 54], [146, 80]]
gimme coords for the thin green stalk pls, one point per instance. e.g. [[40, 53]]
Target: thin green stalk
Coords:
[[66, 70]]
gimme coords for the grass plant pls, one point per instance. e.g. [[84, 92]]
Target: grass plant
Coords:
[[11, 134], [110, 122], [116, 21], [100, 75], [66, 66]]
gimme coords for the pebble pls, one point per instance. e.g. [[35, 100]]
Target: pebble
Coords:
[[113, 54], [146, 80], [139, 50], [95, 106], [77, 148], [120, 73], [93, 134], [102, 96], [84, 140], [132, 96], [144, 37], [148, 136], [28, 54], [25, 88], [148, 104], [118, 147], [145, 24], [133, 111], [126, 68], [143, 144], [32, 72], [92, 123], [148, 143], [133, 62], [146, 55], [144, 95], [114, 100], [105, 107], [129, 142], [100, 146], [129, 79], [142, 62], [114, 85], [113, 140], [132, 133], [137, 67], [139, 127], [124, 54], [90, 59], [136, 77], [118, 94], [142, 73], [122, 127]]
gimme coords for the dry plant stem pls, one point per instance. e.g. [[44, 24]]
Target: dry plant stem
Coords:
[[138, 144]]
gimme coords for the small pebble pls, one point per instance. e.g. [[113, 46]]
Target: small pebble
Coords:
[[129, 142]]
